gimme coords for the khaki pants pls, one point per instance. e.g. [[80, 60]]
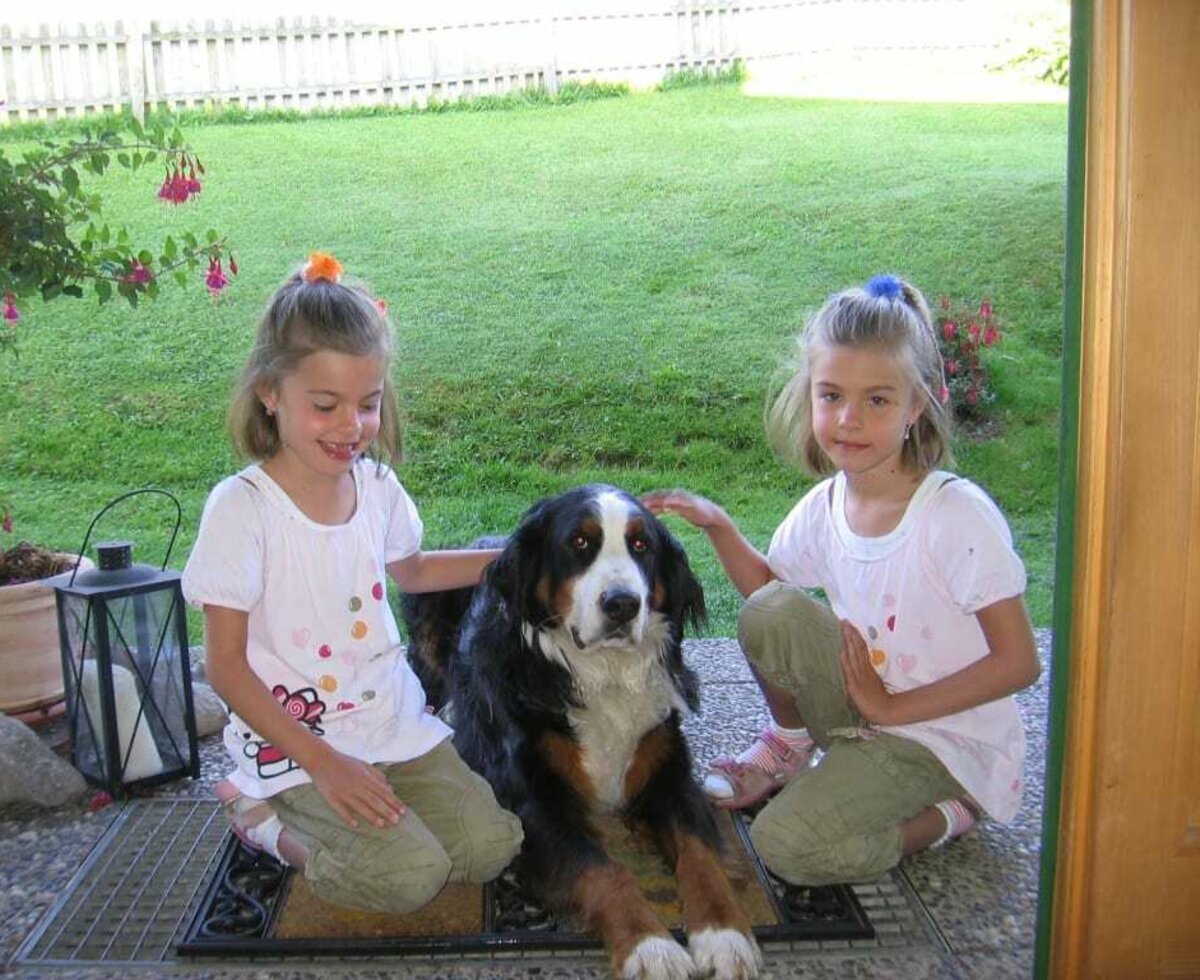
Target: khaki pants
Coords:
[[454, 831], [840, 821]]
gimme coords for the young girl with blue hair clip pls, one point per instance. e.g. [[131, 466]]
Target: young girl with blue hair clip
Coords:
[[905, 679]]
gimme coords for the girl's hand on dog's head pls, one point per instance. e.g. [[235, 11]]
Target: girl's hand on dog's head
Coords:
[[696, 510]]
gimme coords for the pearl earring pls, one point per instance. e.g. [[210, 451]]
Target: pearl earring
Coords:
[[907, 431]]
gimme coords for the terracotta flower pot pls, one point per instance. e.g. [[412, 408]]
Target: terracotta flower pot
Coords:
[[31, 675]]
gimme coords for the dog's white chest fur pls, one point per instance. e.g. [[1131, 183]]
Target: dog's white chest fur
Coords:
[[626, 693]]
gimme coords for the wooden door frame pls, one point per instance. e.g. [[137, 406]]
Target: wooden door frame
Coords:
[[1121, 825], [1068, 454]]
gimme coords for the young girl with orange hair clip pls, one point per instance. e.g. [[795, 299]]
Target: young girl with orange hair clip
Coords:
[[339, 770]]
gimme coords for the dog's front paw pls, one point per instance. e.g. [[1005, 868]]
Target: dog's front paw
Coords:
[[658, 958], [725, 954]]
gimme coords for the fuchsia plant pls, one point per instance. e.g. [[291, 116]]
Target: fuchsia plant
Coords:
[[963, 332], [53, 239]]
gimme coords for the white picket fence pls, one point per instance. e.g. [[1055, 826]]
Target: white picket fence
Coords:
[[58, 71]]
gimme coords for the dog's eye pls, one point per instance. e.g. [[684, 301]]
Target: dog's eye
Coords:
[[579, 542], [639, 545]]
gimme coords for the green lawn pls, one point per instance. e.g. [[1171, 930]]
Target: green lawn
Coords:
[[589, 292]]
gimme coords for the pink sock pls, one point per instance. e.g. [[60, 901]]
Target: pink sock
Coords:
[[759, 753], [959, 819]]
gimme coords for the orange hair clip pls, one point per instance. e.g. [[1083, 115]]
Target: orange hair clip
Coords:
[[322, 265]]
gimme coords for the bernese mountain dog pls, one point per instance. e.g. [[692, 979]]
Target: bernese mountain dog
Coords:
[[567, 683]]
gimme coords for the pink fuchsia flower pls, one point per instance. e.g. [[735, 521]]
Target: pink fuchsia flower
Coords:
[[11, 313], [973, 330], [990, 336], [215, 279], [99, 801], [944, 394], [138, 274], [952, 367], [179, 185], [985, 309], [949, 329]]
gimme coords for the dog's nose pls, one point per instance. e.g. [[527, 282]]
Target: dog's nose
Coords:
[[620, 605]]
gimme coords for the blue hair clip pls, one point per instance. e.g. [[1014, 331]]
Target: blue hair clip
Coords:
[[885, 287]]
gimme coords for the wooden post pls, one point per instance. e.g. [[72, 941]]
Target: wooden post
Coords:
[[1127, 885], [135, 59]]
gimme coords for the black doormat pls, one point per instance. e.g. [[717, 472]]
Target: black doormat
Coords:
[[256, 906]]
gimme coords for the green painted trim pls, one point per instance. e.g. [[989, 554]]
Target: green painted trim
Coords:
[[1081, 42]]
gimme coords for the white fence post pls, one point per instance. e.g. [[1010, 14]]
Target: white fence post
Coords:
[[135, 59], [550, 72]]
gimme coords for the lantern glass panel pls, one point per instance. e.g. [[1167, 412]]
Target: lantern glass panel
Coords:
[[126, 677]]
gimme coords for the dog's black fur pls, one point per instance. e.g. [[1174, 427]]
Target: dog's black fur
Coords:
[[566, 678]]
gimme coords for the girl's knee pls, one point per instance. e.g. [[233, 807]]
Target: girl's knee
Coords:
[[491, 850], [778, 605], [804, 855], [396, 876]]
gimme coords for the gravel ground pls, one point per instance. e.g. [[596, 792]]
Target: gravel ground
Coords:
[[981, 891]]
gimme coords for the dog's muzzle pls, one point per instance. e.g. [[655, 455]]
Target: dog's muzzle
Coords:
[[620, 605]]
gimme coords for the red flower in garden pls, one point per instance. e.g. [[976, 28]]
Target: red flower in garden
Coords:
[[11, 313], [215, 279], [138, 274], [174, 188], [181, 182], [962, 334]]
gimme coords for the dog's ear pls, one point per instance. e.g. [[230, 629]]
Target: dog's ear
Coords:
[[684, 593], [683, 604], [515, 573]]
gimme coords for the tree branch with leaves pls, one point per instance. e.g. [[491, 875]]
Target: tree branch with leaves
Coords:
[[55, 242]]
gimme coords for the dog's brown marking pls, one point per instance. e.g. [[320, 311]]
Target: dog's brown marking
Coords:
[[652, 751], [658, 595], [565, 758], [611, 903], [704, 888], [563, 599]]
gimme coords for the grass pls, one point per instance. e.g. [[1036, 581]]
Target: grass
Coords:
[[590, 291]]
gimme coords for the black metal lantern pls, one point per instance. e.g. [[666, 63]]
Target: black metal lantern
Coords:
[[123, 632]]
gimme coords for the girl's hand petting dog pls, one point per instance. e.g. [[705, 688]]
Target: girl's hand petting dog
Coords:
[[864, 686], [696, 510]]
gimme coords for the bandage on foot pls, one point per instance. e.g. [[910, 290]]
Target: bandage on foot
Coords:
[[258, 826]]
